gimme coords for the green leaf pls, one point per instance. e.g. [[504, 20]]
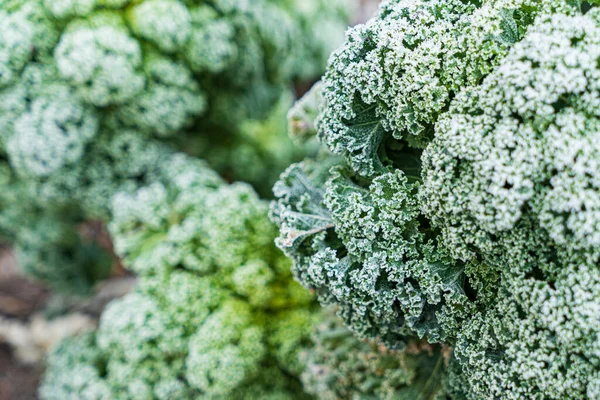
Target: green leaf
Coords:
[[363, 140], [510, 29], [299, 209]]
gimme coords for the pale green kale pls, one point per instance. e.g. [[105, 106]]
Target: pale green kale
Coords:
[[87, 84], [215, 314], [78, 354]]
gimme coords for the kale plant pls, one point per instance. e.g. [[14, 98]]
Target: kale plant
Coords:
[[215, 314], [459, 203]]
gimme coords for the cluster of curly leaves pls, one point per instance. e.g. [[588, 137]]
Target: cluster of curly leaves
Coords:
[[461, 202]]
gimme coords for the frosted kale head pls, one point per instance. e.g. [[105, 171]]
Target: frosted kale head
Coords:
[[102, 62], [81, 356], [189, 221], [51, 133], [408, 244], [167, 224], [31, 35]]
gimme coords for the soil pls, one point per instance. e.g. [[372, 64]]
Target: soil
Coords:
[[17, 381], [19, 299]]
